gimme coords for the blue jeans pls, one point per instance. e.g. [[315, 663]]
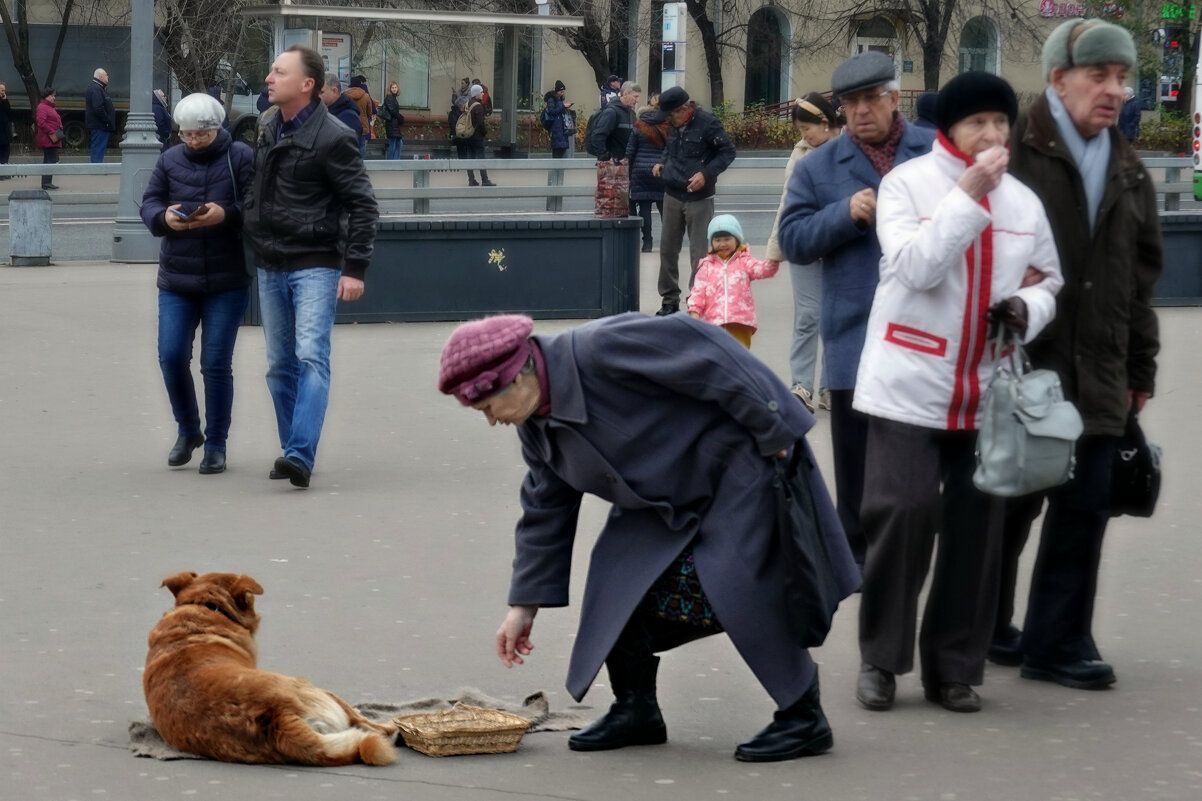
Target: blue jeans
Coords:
[[298, 317], [363, 145], [99, 143], [807, 301], [394, 148], [219, 316]]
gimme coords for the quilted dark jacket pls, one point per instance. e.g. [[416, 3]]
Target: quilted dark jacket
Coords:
[[700, 145], [203, 260], [644, 150]]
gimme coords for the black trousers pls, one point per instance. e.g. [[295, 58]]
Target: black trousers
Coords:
[[49, 156], [642, 208], [849, 440], [1059, 622], [918, 490]]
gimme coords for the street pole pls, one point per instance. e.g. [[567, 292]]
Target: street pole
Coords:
[[132, 242]]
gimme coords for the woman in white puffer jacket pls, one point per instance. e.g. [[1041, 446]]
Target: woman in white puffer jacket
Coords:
[[963, 243]]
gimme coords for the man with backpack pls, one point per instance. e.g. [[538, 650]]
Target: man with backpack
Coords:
[[609, 129], [470, 132]]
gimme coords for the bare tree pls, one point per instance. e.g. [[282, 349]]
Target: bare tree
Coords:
[[17, 33]]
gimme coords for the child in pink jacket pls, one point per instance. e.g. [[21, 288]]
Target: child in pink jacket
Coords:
[[722, 289]]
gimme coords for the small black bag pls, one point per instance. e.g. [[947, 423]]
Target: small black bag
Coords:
[[1135, 479]]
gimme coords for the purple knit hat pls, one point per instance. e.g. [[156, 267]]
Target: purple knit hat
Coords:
[[483, 357]]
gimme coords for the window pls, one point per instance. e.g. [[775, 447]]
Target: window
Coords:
[[878, 33], [979, 46]]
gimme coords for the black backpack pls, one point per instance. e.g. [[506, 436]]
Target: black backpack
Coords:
[[588, 135]]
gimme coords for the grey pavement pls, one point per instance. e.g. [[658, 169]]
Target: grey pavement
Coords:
[[386, 580]]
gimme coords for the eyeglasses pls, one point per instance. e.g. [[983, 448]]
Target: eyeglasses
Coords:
[[196, 136], [855, 101]]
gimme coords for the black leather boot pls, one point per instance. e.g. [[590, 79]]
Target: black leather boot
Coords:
[[181, 451], [634, 718], [801, 730], [212, 463]]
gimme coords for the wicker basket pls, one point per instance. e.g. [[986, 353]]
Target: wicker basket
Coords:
[[463, 730]]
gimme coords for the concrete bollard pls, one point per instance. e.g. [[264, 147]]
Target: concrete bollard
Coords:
[[30, 214]]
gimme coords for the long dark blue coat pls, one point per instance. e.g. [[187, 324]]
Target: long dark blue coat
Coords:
[[816, 225], [202, 260], [557, 109], [677, 425]]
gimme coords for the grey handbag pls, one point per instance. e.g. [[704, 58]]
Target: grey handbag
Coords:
[[1028, 430]]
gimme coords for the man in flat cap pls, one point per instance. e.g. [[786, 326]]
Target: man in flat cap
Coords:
[[1102, 342], [830, 216], [698, 150]]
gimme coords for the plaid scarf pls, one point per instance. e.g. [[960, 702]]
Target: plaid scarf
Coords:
[[882, 155]]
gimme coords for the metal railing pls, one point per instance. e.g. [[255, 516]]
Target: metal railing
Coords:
[[552, 179]]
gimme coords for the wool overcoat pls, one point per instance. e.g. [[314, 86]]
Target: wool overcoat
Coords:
[[816, 224], [677, 425]]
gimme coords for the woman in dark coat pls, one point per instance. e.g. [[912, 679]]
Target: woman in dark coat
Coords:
[[681, 429], [557, 110], [644, 150], [202, 278], [394, 120]]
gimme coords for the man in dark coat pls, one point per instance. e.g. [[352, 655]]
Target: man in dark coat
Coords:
[[6, 122], [829, 216], [99, 117], [1129, 117], [698, 150], [162, 118], [1102, 343], [341, 106], [683, 431], [611, 129], [556, 111]]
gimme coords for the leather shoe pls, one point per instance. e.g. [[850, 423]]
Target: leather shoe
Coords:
[[1084, 674], [801, 730], [647, 247], [954, 697], [294, 470], [1007, 649], [634, 719], [213, 462], [875, 688], [181, 451], [668, 308], [275, 475]]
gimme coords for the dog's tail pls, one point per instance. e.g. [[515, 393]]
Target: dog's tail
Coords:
[[301, 744]]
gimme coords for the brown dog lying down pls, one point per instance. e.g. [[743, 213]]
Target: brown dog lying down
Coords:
[[207, 697]]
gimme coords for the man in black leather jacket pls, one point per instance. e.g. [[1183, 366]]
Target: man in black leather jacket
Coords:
[[698, 150], [310, 214]]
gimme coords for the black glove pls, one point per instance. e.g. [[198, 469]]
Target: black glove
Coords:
[[1011, 313]]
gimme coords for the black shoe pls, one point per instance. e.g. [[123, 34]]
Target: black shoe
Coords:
[[275, 475], [473, 182], [667, 308], [801, 730], [1084, 674], [49, 186], [487, 182], [181, 451], [213, 462], [1006, 649], [954, 697], [875, 688], [294, 470], [647, 246], [634, 719]]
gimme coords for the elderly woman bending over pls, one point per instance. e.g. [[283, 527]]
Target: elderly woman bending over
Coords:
[[681, 429]]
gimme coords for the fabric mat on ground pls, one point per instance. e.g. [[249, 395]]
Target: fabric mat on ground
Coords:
[[145, 741]]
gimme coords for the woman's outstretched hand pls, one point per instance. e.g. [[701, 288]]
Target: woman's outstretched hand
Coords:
[[513, 638]]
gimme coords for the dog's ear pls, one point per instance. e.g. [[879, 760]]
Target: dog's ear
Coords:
[[178, 581], [244, 590]]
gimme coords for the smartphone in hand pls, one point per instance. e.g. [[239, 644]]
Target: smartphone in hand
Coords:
[[188, 212]]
